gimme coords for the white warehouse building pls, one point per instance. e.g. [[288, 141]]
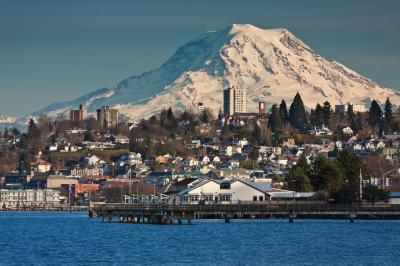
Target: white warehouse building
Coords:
[[21, 198]]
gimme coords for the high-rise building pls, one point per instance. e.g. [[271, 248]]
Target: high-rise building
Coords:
[[107, 117], [235, 101], [261, 108], [76, 117], [200, 108], [342, 108]]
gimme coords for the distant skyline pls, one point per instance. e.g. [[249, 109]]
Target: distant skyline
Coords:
[[53, 51]]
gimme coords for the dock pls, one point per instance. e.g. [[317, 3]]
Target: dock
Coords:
[[186, 213]]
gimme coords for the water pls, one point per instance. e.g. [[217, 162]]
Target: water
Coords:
[[72, 238]]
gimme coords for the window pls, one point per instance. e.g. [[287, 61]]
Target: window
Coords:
[[261, 198], [194, 198], [225, 185], [254, 198], [225, 197], [208, 197]]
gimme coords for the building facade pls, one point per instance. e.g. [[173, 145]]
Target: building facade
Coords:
[[25, 198], [76, 117], [224, 192], [235, 101], [107, 117], [342, 108]]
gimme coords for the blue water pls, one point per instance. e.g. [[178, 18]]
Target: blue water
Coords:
[[72, 238]]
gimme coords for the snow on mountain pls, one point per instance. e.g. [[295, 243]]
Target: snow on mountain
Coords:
[[272, 64], [5, 119]]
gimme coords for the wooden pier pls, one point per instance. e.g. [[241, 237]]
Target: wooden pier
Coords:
[[180, 213]]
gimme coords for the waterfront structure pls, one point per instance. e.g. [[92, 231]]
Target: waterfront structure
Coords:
[[226, 191], [235, 101], [107, 117], [76, 117], [21, 198]]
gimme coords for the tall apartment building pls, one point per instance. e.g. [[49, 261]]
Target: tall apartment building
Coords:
[[200, 108], [261, 108], [107, 117], [235, 101], [342, 108], [76, 117]]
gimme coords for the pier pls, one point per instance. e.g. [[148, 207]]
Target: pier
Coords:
[[186, 213]]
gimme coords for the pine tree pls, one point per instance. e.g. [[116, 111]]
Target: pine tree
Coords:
[[350, 113], [318, 115], [388, 121], [274, 121], [297, 112], [6, 133], [170, 114], [327, 112], [283, 111], [298, 177], [33, 131], [375, 114], [355, 123]]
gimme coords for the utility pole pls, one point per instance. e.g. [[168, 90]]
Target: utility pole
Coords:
[[361, 187]]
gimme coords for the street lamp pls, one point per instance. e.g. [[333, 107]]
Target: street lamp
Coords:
[[388, 172]]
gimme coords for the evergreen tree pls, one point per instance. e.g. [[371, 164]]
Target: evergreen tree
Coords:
[[349, 165], [268, 137], [33, 131], [297, 113], [375, 114], [373, 194], [327, 112], [206, 116], [388, 121], [283, 111], [6, 133], [356, 123], [298, 177], [170, 114], [326, 176], [350, 113], [318, 116], [274, 121], [256, 134]]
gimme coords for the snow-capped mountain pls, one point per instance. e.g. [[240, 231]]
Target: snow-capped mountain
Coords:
[[272, 64], [5, 119]]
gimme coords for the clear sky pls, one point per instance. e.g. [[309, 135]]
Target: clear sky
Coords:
[[58, 50]]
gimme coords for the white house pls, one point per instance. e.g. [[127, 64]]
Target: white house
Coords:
[[134, 158], [216, 160], [224, 192], [41, 166], [204, 159], [93, 160], [234, 163], [190, 162], [243, 142], [347, 131]]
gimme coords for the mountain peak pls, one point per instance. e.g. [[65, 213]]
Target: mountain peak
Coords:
[[271, 64]]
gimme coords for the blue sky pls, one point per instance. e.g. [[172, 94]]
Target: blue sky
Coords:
[[58, 50]]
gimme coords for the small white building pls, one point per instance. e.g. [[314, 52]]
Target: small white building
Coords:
[[226, 191], [347, 131]]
